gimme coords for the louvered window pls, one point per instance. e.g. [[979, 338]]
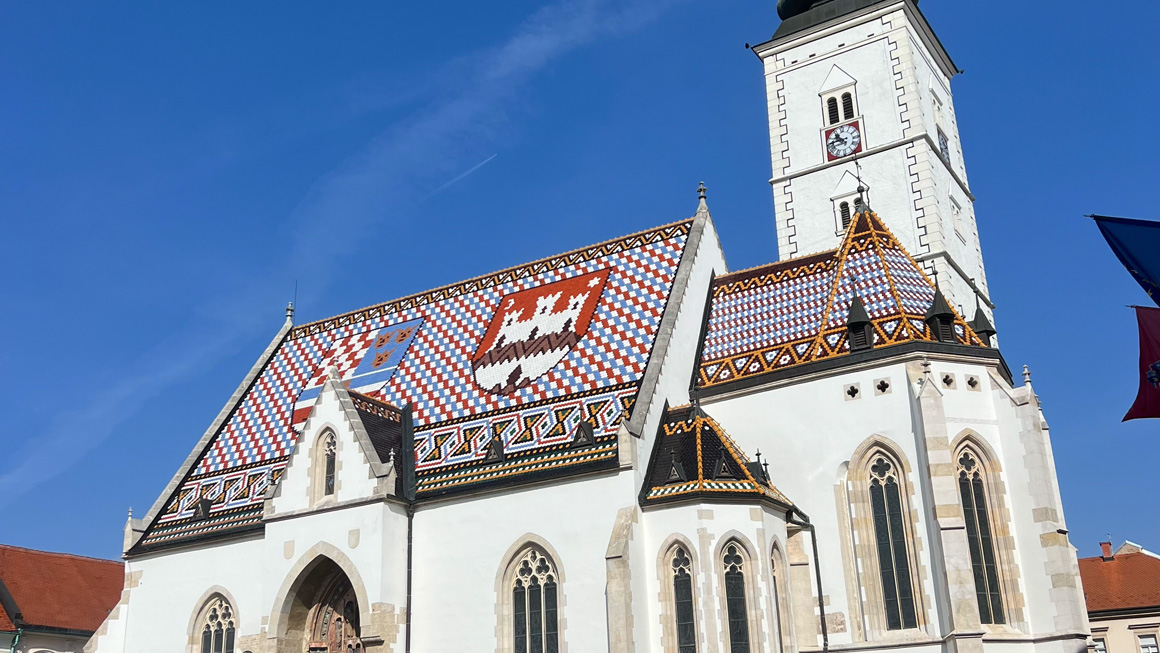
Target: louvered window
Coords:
[[847, 106], [844, 211], [832, 110], [980, 540], [890, 539]]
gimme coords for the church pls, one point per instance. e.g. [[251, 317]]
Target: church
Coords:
[[630, 447]]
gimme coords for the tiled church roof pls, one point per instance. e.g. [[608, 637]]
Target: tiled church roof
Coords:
[[695, 458], [794, 311], [1125, 581], [58, 590], [522, 356]]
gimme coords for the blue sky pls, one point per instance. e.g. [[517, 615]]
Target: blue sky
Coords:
[[170, 171]]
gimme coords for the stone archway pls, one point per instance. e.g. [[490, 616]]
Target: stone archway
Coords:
[[323, 612]]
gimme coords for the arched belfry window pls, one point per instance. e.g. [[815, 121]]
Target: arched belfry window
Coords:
[[535, 600], [217, 626], [832, 111], [891, 544], [847, 106], [736, 608], [684, 607], [984, 564], [844, 211]]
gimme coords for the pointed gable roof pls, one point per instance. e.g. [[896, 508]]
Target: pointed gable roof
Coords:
[[522, 357], [837, 78], [795, 311], [694, 458]]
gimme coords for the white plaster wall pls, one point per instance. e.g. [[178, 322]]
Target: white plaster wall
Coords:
[[461, 547]]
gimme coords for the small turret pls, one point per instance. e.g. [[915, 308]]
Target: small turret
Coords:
[[859, 328], [940, 318]]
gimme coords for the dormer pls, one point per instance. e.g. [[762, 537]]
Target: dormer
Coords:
[[352, 447]]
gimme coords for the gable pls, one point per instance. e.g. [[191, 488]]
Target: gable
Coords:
[[522, 356], [836, 79]]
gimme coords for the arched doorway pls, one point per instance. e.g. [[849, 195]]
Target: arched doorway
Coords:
[[324, 612]]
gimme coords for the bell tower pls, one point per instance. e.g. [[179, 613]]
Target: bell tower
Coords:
[[859, 96]]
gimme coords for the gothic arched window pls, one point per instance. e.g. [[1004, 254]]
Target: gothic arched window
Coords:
[[984, 564], [217, 626], [330, 453], [832, 111], [737, 612], [890, 540], [682, 566], [535, 591], [847, 106]]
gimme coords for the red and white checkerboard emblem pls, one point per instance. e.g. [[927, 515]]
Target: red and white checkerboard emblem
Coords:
[[533, 330]]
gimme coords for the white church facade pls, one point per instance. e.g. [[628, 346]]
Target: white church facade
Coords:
[[631, 448]]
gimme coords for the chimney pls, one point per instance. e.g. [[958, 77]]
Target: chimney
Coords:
[[1106, 551]]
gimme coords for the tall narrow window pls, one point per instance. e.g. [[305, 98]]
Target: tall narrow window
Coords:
[[847, 106], [737, 612], [773, 566], [979, 539], [682, 567], [844, 210], [534, 605], [1101, 646], [1148, 644], [832, 110], [330, 460], [890, 538], [217, 626]]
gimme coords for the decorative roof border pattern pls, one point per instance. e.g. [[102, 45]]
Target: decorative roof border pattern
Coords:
[[685, 433], [794, 312]]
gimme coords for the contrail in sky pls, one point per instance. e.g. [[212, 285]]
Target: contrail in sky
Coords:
[[457, 178]]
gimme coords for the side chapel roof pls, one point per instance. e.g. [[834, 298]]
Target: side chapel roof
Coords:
[[694, 457], [520, 358], [47, 590], [795, 311]]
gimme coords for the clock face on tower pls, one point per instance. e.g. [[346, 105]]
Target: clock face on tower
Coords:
[[843, 140]]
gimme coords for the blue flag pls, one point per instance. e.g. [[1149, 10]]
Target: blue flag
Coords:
[[1137, 245]]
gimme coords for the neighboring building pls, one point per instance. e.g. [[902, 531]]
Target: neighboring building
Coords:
[[1123, 598], [563, 457], [54, 602]]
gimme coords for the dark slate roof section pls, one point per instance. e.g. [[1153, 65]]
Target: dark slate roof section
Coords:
[[694, 458], [820, 13], [796, 311], [384, 425]]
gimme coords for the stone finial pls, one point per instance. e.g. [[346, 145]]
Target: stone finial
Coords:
[[701, 194], [290, 311], [1026, 375]]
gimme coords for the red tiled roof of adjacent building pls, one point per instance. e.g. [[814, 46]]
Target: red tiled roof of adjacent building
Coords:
[[1121, 582], [58, 590]]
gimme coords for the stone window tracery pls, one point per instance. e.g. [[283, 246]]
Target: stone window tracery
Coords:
[[980, 538], [217, 626], [737, 612], [535, 596]]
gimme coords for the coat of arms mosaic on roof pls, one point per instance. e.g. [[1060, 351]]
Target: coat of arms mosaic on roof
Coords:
[[521, 357]]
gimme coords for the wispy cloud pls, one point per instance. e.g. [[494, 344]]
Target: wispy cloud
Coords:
[[409, 162]]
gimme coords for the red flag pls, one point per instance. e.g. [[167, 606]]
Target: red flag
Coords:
[[1148, 398]]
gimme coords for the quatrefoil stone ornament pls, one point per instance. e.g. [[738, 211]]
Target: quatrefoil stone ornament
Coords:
[[881, 468]]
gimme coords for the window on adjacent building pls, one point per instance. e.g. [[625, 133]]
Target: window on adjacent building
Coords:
[[217, 626], [890, 541], [534, 592], [684, 611], [980, 539], [1148, 644], [1101, 646], [737, 612]]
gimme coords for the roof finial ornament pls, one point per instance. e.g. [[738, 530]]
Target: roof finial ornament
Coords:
[[1026, 375], [701, 191], [290, 311]]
